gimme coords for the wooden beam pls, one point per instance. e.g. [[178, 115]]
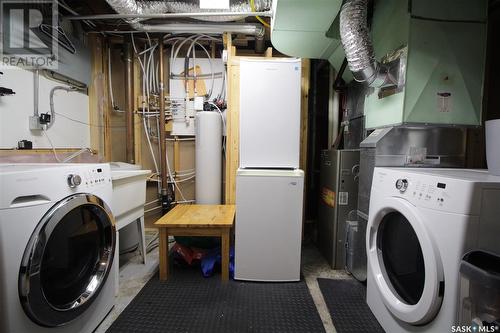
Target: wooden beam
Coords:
[[96, 89], [5, 152], [212, 49], [269, 52], [45, 155], [304, 125], [232, 121], [305, 74], [107, 107]]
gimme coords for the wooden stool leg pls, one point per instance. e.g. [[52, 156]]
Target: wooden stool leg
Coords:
[[163, 254], [225, 254]]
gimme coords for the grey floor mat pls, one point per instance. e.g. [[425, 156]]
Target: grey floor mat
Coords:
[[346, 301], [187, 302]]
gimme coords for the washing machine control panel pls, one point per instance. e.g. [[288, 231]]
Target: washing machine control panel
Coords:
[[402, 185], [74, 180], [87, 178]]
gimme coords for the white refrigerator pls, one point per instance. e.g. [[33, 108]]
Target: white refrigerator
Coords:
[[268, 230], [270, 113]]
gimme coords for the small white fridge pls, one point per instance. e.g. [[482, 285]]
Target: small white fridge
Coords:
[[270, 96], [268, 229]]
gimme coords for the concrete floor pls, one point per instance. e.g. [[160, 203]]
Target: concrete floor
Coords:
[[134, 275]]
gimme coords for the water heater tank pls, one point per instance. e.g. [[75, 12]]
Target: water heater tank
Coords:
[[208, 185]]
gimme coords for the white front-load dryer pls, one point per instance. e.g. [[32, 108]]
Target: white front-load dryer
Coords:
[[421, 223], [57, 241]]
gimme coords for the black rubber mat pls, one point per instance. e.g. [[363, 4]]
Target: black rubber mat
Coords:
[[187, 302], [346, 301]]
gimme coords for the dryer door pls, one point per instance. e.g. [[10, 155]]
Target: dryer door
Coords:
[[405, 262], [67, 260]]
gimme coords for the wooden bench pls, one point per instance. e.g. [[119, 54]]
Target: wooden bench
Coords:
[[196, 220]]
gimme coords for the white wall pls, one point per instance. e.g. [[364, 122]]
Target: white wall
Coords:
[[15, 111]]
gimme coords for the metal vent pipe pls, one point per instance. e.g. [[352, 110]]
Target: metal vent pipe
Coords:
[[358, 46]]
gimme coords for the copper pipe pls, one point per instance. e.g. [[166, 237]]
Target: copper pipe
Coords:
[[163, 141], [129, 101]]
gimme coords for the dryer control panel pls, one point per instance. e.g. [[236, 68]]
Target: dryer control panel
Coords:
[[432, 192], [429, 191]]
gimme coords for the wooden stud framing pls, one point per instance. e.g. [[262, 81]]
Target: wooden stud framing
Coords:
[[106, 104], [304, 124], [100, 136], [233, 115], [269, 52], [306, 71]]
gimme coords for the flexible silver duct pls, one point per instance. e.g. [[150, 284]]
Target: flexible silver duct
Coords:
[[357, 43], [186, 6], [193, 6], [138, 7], [148, 7]]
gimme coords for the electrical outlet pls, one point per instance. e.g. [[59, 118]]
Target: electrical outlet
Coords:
[[35, 124]]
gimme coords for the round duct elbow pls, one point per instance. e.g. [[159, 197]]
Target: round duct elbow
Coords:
[[357, 44]]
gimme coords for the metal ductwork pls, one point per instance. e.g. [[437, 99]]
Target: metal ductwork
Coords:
[[138, 7], [193, 6], [358, 45], [150, 7], [186, 6]]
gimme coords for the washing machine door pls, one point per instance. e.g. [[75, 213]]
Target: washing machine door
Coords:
[[67, 260], [405, 262]]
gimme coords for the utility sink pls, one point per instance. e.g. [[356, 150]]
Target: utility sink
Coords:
[[129, 197], [129, 194]]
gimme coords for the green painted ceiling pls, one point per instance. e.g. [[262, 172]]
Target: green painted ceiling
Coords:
[[308, 29]]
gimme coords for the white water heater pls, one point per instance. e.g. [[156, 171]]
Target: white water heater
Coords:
[[208, 184]]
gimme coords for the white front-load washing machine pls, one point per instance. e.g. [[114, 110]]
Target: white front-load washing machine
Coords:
[[57, 242], [421, 223]]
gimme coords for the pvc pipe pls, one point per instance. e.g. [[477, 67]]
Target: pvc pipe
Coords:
[[129, 102]]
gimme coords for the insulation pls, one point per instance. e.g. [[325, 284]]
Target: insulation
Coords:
[[138, 7], [186, 6], [190, 6]]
